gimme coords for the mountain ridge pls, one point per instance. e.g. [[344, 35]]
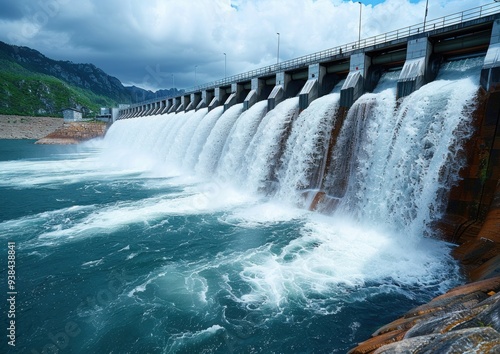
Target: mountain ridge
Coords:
[[33, 84]]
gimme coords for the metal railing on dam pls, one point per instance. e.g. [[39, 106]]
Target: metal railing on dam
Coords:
[[477, 13]]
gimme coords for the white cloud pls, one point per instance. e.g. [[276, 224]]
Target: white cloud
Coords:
[[131, 38]]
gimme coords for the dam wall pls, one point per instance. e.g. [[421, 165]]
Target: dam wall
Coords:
[[417, 52], [417, 49]]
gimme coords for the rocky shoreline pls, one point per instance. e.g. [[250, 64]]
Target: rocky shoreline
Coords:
[[49, 130], [75, 133], [26, 127], [466, 318]]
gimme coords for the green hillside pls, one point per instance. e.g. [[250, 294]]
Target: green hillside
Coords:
[[23, 92]]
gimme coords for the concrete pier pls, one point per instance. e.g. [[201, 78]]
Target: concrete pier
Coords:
[[490, 73], [255, 94], [194, 101], [206, 98], [175, 104], [313, 86], [354, 85], [166, 108], [416, 53], [185, 100], [277, 95], [414, 73], [236, 91]]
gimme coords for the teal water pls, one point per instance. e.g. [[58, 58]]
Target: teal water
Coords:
[[124, 260], [190, 232]]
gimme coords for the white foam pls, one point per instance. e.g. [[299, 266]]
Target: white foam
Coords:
[[333, 254], [178, 341], [264, 213], [92, 263], [206, 198]]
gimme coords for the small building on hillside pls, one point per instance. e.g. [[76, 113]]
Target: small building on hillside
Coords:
[[72, 115]]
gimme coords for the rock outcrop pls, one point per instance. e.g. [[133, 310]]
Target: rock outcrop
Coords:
[[74, 133], [465, 319]]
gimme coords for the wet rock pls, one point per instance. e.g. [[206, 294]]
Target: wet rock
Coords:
[[489, 315], [443, 324], [472, 340], [470, 311], [376, 342]]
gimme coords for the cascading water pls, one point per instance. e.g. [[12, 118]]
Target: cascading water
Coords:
[[415, 146], [212, 149], [199, 138], [230, 164], [181, 232], [182, 138], [263, 153], [305, 149]]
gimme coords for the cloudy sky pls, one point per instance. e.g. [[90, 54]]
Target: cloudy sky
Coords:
[[160, 43]]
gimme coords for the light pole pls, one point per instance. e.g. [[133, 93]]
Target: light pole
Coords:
[[225, 64], [278, 55], [173, 81], [359, 31], [426, 10], [195, 81]]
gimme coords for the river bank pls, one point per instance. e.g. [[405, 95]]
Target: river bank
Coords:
[[49, 130], [27, 127], [464, 319]]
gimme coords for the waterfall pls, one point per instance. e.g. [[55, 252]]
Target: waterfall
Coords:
[[212, 149], [305, 149], [395, 165], [263, 153], [200, 136], [183, 138], [231, 162], [392, 162]]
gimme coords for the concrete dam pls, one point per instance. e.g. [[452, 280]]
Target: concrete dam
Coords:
[[465, 209]]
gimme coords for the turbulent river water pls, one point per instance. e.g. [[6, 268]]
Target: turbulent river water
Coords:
[[190, 232]]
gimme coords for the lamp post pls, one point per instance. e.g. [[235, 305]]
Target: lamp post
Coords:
[[225, 65], [426, 10], [173, 81], [359, 31], [195, 81], [278, 55]]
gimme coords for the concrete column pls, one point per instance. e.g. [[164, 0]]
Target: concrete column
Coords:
[[185, 100], [157, 106], [490, 73], [219, 96], [152, 109], [168, 105], [236, 90], [195, 99], [161, 106], [311, 89], [277, 95], [354, 85], [255, 94], [176, 101], [206, 99], [414, 73]]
